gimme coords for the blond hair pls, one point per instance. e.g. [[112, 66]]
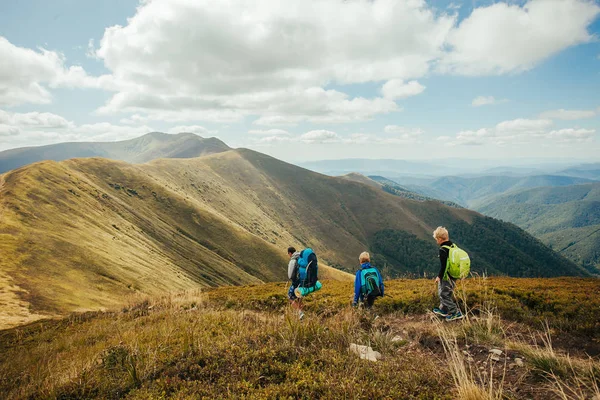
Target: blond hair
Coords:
[[440, 233], [364, 257]]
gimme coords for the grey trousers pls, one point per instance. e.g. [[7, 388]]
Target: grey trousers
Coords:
[[446, 293]]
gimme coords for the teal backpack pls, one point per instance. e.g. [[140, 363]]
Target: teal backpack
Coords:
[[308, 268], [458, 265], [370, 283]]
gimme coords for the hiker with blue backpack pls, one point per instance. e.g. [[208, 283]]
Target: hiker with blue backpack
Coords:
[[454, 264], [368, 283], [303, 271]]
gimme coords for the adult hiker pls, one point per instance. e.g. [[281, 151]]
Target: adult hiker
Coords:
[[454, 264], [368, 283], [303, 271]]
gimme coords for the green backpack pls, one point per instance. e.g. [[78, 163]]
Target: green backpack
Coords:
[[458, 265]]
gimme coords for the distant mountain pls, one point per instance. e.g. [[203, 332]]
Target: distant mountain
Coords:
[[90, 232], [470, 192], [566, 218], [139, 150], [392, 187], [589, 171], [365, 166]]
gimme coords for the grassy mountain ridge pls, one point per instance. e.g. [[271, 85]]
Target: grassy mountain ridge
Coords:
[[139, 150], [566, 218], [473, 191], [86, 233]]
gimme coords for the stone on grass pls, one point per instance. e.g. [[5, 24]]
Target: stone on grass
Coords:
[[496, 351], [365, 352], [519, 362]]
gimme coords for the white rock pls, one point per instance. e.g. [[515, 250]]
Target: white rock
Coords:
[[519, 362], [496, 351], [396, 339], [365, 352], [495, 357]]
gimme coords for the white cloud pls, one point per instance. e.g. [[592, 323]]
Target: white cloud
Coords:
[[397, 89], [34, 119], [486, 100], [572, 135], [320, 136], [268, 132], [22, 73], [7, 130], [34, 128], [503, 38], [519, 132], [523, 126], [569, 115], [274, 140], [473, 138], [272, 61], [26, 75]]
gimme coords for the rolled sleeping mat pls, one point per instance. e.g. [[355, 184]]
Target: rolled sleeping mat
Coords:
[[303, 291]]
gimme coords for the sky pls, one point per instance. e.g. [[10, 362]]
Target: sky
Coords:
[[306, 80]]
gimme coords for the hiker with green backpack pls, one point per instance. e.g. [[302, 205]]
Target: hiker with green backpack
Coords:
[[368, 284], [454, 264]]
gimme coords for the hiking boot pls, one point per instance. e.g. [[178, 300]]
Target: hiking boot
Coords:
[[440, 312], [455, 316], [300, 315]]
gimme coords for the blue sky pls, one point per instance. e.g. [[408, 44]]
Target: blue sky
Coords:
[[308, 80]]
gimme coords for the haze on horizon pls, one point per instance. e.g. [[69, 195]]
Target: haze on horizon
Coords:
[[512, 81]]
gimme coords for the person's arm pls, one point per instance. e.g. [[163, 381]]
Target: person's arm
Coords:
[[443, 261], [357, 287]]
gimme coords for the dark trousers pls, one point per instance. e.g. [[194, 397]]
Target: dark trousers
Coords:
[[368, 301], [446, 293]]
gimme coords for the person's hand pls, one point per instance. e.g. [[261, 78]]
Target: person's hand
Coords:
[[437, 279]]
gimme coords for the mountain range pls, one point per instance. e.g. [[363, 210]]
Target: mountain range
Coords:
[[565, 218], [91, 232]]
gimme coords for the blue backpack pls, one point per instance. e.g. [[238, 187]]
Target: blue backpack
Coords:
[[308, 268], [370, 283]]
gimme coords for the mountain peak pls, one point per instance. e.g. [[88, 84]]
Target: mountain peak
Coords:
[[142, 149]]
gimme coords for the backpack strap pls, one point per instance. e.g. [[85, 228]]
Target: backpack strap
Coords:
[[449, 248]]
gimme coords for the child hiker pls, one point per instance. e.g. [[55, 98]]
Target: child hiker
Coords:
[[368, 284], [445, 281]]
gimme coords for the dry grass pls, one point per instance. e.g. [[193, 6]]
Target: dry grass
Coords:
[[179, 348], [469, 385], [245, 341]]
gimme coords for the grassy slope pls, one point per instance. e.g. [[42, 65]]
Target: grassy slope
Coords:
[[239, 341], [473, 191], [567, 218], [86, 233]]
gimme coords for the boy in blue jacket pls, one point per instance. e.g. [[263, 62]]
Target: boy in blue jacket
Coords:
[[368, 283]]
